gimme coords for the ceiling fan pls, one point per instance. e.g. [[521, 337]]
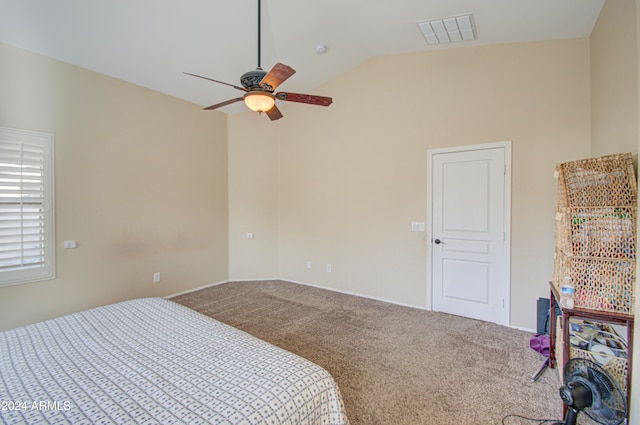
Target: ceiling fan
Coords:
[[259, 87]]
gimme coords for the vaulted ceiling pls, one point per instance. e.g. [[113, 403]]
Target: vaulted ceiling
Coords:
[[152, 42]]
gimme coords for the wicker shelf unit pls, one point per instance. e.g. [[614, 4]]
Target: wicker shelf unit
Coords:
[[596, 221], [596, 232]]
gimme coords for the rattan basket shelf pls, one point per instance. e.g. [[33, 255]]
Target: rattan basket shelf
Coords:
[[596, 221], [617, 366], [597, 182]]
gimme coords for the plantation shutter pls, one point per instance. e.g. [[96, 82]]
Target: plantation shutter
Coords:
[[25, 207]]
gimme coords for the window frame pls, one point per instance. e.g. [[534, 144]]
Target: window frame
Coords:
[[47, 270]]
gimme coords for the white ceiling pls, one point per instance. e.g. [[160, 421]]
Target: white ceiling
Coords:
[[152, 42]]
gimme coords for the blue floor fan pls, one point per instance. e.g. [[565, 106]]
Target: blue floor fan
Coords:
[[590, 389]]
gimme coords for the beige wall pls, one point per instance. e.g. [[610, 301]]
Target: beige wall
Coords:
[[253, 197], [634, 416], [353, 176], [141, 178], [615, 61], [141, 184], [614, 80]]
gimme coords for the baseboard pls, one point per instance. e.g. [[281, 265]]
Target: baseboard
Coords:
[[266, 279], [390, 301], [216, 284], [356, 294], [520, 328], [196, 289]]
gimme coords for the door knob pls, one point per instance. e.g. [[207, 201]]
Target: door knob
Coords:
[[438, 242]]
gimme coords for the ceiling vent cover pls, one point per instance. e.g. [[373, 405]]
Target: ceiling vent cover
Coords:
[[448, 30]]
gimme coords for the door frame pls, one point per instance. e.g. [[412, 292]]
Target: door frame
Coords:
[[506, 146]]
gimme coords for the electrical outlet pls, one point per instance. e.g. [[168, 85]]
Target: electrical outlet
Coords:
[[156, 277], [328, 268], [70, 244], [308, 264]]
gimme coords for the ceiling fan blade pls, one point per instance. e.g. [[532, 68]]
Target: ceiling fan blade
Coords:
[[276, 76], [216, 81], [305, 98], [274, 113], [225, 103]]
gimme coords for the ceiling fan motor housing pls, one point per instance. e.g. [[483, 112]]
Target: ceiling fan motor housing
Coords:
[[251, 79]]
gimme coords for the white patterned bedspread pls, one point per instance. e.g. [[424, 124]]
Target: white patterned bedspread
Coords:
[[152, 361]]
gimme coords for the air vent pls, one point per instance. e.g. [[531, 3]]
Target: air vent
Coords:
[[448, 30]]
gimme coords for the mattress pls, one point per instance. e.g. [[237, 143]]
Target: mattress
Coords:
[[153, 361]]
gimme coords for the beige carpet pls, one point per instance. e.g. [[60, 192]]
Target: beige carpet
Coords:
[[394, 365]]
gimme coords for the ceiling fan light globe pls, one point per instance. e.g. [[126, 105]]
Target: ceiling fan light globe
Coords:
[[259, 101]]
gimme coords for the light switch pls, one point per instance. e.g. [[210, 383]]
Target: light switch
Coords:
[[417, 226]]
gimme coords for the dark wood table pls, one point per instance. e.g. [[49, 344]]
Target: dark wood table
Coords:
[[585, 314]]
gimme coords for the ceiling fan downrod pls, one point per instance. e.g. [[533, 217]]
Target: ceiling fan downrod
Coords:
[[259, 32], [251, 79], [259, 86]]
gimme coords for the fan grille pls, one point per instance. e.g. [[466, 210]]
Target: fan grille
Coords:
[[609, 406]]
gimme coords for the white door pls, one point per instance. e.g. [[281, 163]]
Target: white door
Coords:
[[469, 232]]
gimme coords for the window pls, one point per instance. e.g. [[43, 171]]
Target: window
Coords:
[[26, 206]]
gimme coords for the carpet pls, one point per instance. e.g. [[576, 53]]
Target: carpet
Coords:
[[394, 365]]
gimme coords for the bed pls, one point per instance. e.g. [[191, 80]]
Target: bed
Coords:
[[153, 361]]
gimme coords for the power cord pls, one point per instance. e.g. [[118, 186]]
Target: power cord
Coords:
[[540, 421]]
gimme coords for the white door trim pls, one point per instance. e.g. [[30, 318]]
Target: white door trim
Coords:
[[506, 146]]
